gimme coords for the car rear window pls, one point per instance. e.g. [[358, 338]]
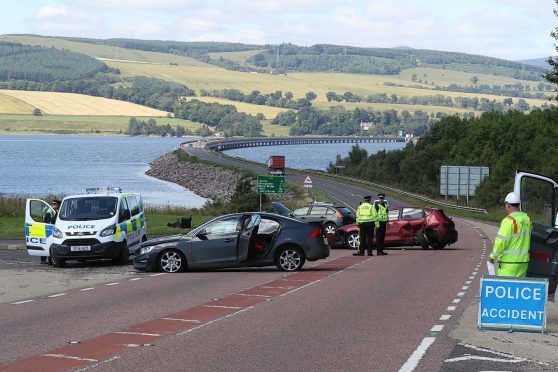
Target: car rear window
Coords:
[[345, 211]]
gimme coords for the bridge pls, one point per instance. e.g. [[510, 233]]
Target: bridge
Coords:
[[235, 143]]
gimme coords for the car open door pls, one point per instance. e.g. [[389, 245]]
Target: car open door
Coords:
[[538, 195], [249, 230], [39, 226]]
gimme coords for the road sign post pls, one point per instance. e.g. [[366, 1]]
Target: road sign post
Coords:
[[513, 303]]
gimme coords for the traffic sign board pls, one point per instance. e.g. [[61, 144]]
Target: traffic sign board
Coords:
[[271, 184], [307, 182]]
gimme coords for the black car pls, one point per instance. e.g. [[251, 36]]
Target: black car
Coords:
[[236, 240], [331, 216]]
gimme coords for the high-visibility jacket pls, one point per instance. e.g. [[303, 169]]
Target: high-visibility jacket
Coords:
[[365, 213], [382, 210], [512, 243]]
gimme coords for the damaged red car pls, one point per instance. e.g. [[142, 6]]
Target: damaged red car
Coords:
[[408, 226]]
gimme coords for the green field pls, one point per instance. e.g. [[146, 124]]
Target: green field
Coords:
[[238, 57], [78, 124], [269, 112]]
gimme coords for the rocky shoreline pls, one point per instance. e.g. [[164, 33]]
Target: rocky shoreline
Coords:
[[205, 180]]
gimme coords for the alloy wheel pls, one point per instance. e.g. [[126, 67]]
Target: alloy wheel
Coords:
[[290, 260], [171, 262]]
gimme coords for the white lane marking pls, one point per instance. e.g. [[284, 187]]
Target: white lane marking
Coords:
[[445, 317], [417, 355], [299, 288], [456, 300], [62, 356], [460, 294], [139, 333], [468, 282], [215, 320], [224, 307], [477, 357], [270, 287], [183, 320], [451, 308], [437, 328], [57, 295], [109, 284], [22, 302], [251, 295], [87, 289], [157, 274], [133, 279], [471, 277], [465, 287]]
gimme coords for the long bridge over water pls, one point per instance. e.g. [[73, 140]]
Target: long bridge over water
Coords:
[[235, 143]]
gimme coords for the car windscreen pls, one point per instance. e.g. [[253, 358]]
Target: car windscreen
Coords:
[[88, 208]]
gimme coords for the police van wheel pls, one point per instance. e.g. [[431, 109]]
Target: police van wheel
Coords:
[[57, 262], [124, 255]]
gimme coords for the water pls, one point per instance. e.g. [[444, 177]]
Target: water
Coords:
[[62, 165], [310, 156]]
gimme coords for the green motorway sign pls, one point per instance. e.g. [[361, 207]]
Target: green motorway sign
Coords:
[[271, 184]]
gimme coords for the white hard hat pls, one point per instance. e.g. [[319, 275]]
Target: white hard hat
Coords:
[[512, 198]]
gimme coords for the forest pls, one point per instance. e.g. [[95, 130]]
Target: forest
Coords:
[[504, 142]]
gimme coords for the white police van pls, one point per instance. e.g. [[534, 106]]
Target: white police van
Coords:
[[103, 223]]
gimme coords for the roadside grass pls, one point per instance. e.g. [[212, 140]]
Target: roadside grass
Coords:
[[56, 103], [78, 124]]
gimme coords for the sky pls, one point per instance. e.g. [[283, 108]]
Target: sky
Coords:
[[509, 29]]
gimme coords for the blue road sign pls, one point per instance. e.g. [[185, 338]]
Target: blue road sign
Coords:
[[513, 303]]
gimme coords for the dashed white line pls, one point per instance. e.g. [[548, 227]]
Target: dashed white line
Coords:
[[134, 279], [445, 317], [451, 308], [224, 307], [456, 300], [437, 328], [109, 284], [460, 294], [183, 320], [157, 274], [139, 333], [22, 302], [465, 287], [87, 289], [417, 355], [57, 295], [468, 282], [62, 356]]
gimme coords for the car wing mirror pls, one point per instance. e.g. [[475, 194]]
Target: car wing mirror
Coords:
[[202, 234]]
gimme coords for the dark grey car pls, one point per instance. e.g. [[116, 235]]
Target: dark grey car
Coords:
[[331, 216], [236, 240]]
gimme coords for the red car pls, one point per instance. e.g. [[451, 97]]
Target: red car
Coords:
[[408, 226]]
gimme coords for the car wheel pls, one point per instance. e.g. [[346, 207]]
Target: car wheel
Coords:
[[57, 262], [330, 228], [172, 261], [437, 245], [421, 240], [353, 240], [290, 258]]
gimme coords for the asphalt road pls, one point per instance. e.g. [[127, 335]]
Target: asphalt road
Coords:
[[345, 313]]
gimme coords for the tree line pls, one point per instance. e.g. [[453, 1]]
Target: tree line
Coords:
[[150, 127], [504, 142], [276, 99]]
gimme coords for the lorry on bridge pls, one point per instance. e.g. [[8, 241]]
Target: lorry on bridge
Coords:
[[276, 165], [539, 199]]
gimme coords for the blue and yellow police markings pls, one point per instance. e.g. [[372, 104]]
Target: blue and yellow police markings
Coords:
[[39, 230], [130, 226]]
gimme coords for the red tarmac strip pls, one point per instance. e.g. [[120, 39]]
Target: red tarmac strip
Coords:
[[104, 347]]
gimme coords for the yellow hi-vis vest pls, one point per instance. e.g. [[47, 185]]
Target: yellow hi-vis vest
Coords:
[[382, 211], [365, 213], [512, 243]]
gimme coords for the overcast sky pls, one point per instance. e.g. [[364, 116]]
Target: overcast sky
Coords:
[[510, 29]]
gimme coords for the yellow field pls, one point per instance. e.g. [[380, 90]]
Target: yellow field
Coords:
[[12, 105], [77, 104], [104, 51], [269, 112]]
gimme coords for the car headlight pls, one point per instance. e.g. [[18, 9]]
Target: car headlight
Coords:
[[111, 230], [145, 250], [57, 233]]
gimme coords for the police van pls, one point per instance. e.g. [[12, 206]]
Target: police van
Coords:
[[103, 223]]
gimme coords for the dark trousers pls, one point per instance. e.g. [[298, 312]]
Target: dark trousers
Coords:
[[366, 235], [380, 236]]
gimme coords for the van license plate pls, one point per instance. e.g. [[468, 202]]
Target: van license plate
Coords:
[[80, 248]]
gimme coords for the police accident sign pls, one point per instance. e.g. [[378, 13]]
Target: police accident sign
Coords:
[[513, 303]]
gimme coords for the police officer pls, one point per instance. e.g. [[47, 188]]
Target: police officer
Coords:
[[50, 217], [512, 243], [365, 218], [381, 207]]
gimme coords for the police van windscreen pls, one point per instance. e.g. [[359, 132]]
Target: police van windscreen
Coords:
[[88, 208]]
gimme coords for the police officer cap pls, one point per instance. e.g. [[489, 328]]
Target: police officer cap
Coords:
[[512, 198], [56, 201], [381, 195], [368, 197]]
